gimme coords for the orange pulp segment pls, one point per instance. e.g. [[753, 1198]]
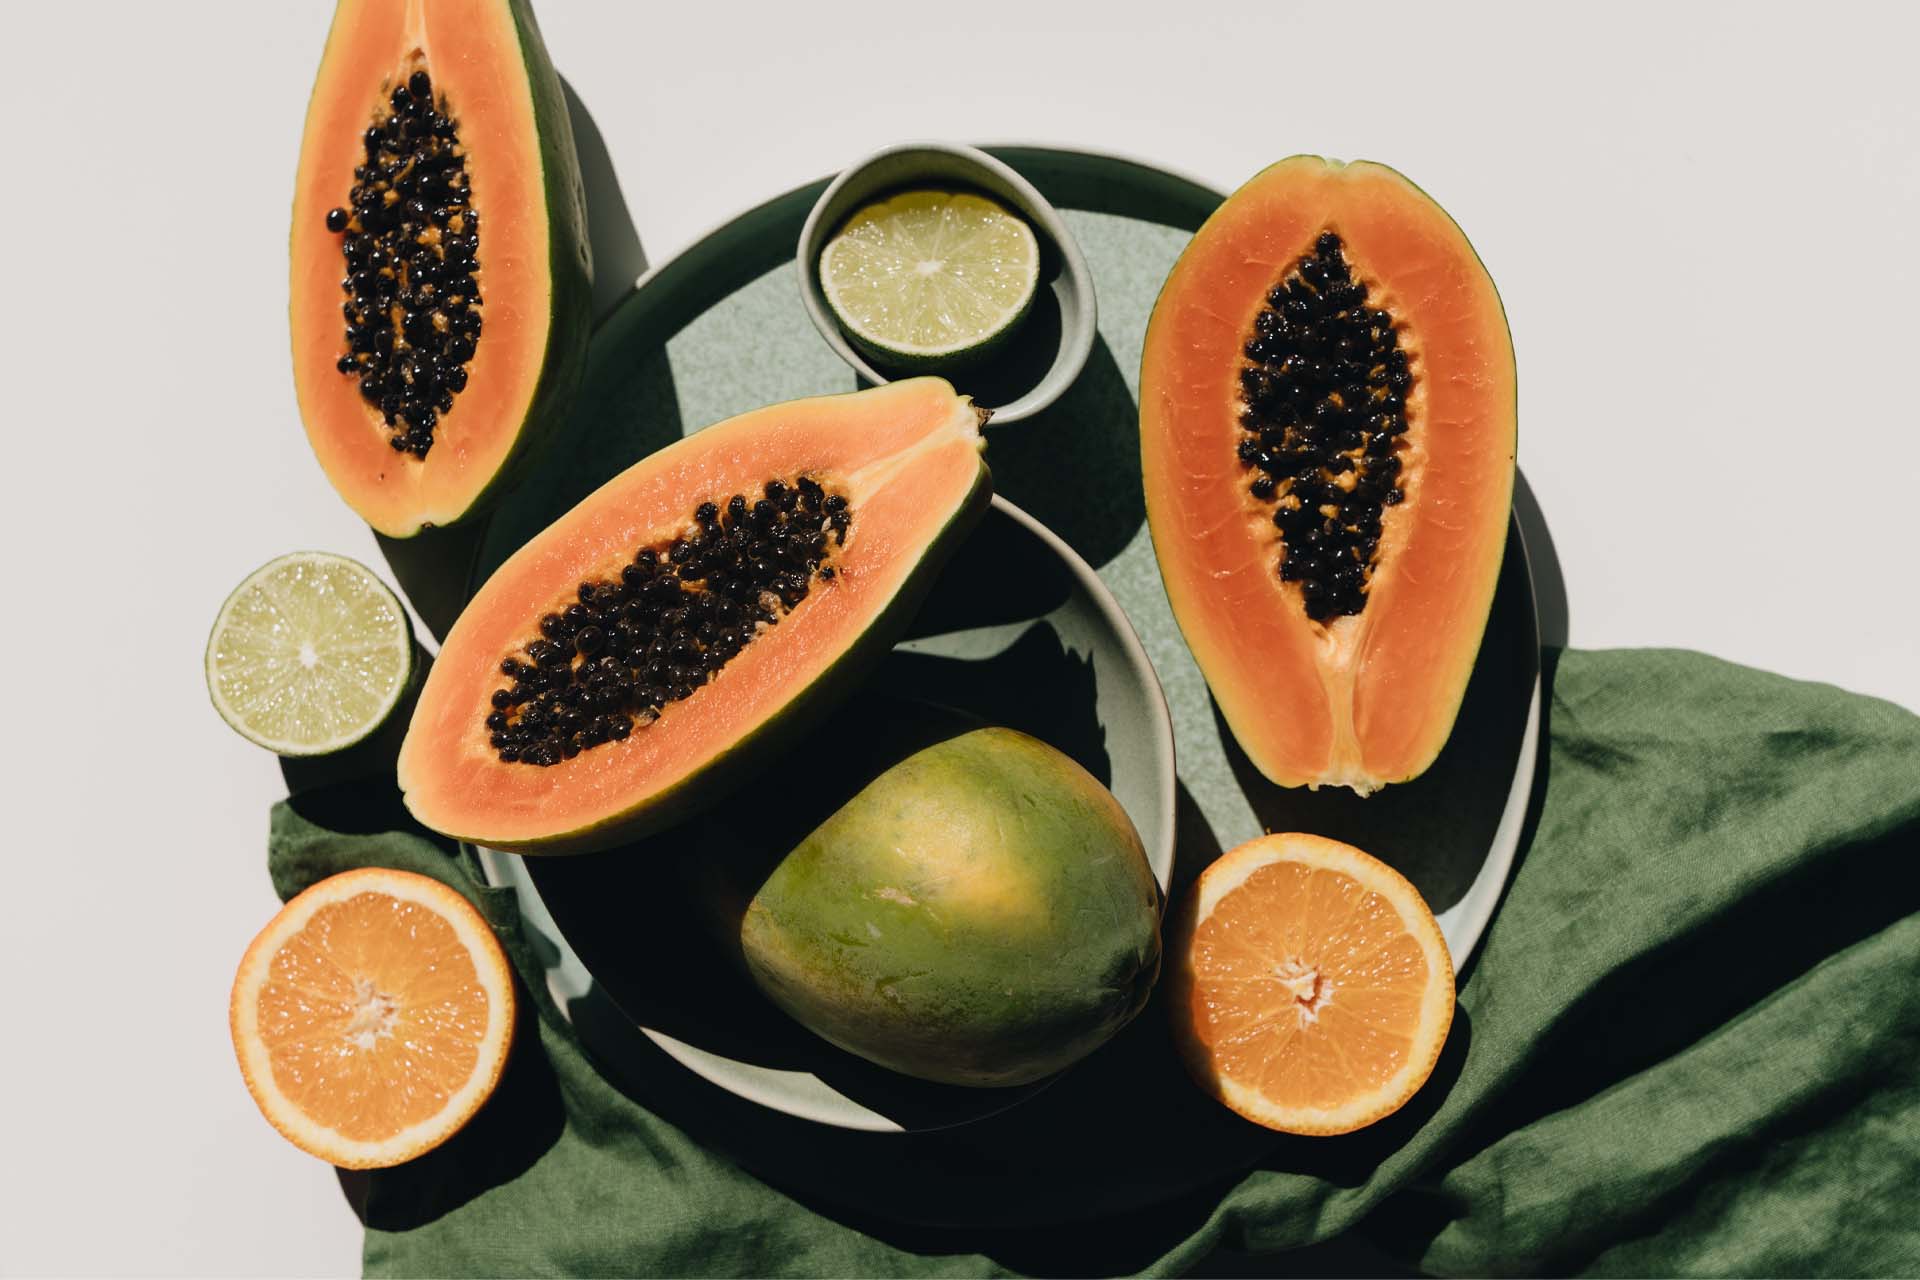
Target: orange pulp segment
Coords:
[[1311, 988], [372, 1017]]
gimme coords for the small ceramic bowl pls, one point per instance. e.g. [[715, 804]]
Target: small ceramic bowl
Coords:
[[1046, 355]]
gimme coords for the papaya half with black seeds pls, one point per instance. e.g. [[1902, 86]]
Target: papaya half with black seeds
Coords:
[[441, 273], [1327, 430], [657, 644]]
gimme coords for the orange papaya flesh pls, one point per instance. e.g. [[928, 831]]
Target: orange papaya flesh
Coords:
[[906, 457], [1363, 698], [491, 77]]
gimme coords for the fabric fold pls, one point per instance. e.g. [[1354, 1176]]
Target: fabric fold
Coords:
[[1687, 1045]]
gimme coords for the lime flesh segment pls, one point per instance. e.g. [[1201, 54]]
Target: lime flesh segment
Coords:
[[929, 275], [309, 655]]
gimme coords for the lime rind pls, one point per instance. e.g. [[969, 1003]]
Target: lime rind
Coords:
[[309, 655], [928, 277]]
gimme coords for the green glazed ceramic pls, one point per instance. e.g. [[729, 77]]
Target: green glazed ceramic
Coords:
[[721, 328]]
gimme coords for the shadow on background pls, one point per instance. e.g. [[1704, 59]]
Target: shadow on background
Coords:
[[1019, 365], [1076, 466], [505, 1138], [618, 259], [1549, 583], [625, 410], [371, 761], [435, 570], [626, 407]]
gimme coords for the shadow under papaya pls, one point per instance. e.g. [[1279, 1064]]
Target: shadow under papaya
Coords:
[[625, 911], [706, 872], [1036, 685], [1436, 828], [435, 570], [626, 407], [618, 259], [1543, 560], [1001, 575]]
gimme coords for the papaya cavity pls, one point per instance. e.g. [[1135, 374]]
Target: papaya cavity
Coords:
[[666, 623], [411, 239], [1327, 431], [1325, 386]]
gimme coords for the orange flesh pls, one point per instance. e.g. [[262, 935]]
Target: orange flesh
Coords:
[[1307, 987], [908, 456], [471, 52], [372, 1016], [1370, 698]]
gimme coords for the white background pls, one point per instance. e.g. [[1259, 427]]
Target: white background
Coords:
[[1703, 220]]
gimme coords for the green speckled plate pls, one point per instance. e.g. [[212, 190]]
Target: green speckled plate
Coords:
[[720, 329]]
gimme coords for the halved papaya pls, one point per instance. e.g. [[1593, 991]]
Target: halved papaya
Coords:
[[441, 271], [656, 643], [1327, 431]]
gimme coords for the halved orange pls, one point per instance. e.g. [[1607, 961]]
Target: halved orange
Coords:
[[372, 1017], [1311, 990]]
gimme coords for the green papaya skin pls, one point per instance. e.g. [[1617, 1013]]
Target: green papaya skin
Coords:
[[980, 914], [569, 266]]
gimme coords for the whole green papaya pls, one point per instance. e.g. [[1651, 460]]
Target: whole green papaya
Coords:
[[982, 913]]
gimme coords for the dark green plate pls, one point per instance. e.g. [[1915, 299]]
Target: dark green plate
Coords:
[[720, 329]]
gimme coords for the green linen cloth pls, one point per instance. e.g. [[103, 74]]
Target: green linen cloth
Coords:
[[1689, 1044]]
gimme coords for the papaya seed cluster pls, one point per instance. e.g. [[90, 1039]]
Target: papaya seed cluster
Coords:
[[1325, 388], [605, 665], [411, 238]]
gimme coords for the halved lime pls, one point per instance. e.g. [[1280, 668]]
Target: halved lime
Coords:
[[930, 277], [309, 655]]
